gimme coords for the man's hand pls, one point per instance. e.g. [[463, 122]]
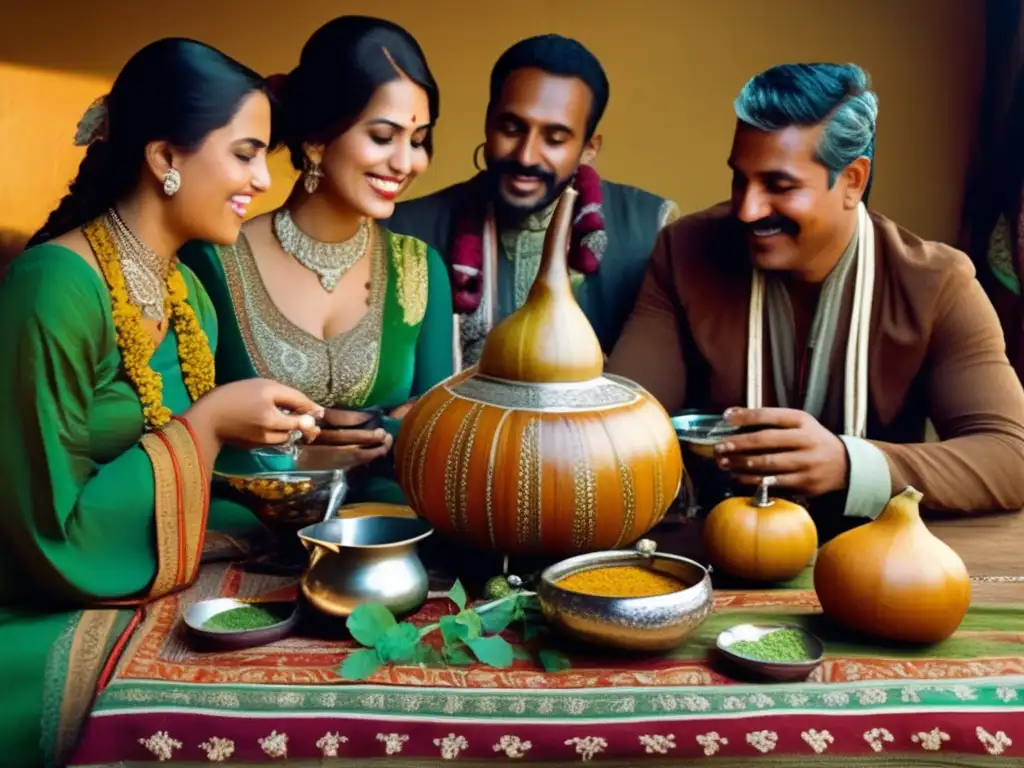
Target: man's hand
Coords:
[[792, 445]]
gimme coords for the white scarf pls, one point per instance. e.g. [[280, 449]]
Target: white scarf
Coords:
[[855, 403]]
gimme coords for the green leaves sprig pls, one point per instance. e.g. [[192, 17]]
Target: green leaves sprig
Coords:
[[471, 634]]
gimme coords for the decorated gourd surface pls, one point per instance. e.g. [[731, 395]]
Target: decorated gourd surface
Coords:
[[892, 578], [760, 538], [534, 451]]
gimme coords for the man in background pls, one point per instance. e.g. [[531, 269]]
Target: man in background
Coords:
[[547, 96]]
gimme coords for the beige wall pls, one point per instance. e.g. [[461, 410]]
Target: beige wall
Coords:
[[674, 65]]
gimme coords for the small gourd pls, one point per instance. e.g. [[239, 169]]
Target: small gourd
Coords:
[[760, 538], [892, 578]]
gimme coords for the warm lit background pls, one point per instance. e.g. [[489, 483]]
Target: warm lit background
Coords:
[[674, 66]]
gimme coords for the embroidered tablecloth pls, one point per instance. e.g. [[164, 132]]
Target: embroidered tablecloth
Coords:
[[284, 704]]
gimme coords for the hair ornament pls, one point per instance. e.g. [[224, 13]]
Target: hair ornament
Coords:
[[94, 124]]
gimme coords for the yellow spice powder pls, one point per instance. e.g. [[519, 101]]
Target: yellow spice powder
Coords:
[[621, 581]]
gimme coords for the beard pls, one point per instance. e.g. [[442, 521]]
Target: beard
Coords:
[[553, 187]]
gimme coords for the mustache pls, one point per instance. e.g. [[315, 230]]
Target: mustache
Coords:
[[775, 221], [510, 167]]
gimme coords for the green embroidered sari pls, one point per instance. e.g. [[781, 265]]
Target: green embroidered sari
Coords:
[[400, 349], [81, 505]]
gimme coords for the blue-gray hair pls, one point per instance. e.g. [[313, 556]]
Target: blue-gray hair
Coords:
[[838, 95]]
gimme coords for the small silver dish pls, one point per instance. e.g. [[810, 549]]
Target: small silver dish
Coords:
[[776, 670], [646, 624], [197, 614]]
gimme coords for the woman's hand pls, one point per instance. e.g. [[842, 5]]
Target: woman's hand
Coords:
[[344, 434], [256, 412]]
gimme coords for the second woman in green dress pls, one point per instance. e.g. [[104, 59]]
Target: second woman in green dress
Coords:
[[316, 294]]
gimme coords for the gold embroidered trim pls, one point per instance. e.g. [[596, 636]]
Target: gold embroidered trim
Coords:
[[194, 499], [338, 372], [178, 537], [165, 494], [410, 259], [85, 663]]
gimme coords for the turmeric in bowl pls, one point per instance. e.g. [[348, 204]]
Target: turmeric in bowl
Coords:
[[620, 581]]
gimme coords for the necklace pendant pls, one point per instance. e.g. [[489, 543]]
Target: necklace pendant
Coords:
[[329, 261], [329, 280]]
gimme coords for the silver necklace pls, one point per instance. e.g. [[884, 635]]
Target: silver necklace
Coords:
[[145, 271], [330, 261]]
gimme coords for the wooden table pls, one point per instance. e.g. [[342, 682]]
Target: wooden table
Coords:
[[991, 547]]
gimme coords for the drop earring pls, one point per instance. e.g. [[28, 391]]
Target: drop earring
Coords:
[[311, 177], [172, 182]]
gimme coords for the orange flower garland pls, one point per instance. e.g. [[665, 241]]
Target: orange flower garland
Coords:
[[136, 344]]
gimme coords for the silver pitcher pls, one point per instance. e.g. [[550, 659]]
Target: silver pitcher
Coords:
[[369, 559]]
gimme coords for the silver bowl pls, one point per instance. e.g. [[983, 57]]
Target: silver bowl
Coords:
[[777, 670], [647, 624], [296, 487]]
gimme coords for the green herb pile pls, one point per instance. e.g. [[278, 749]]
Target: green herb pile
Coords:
[[468, 637], [248, 617], [780, 645]]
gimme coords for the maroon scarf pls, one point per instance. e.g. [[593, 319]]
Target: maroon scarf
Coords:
[[585, 250]]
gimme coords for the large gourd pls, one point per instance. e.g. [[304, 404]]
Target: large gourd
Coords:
[[892, 578], [534, 451], [760, 538]]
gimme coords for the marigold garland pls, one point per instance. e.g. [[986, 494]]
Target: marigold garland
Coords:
[[135, 342]]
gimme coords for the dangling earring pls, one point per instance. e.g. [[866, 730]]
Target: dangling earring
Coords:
[[311, 177], [172, 182], [476, 159]]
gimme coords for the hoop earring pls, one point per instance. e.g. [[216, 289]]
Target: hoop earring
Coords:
[[476, 159], [172, 182], [311, 177]]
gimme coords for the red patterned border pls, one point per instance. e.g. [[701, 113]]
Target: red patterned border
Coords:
[[159, 652], [181, 736]]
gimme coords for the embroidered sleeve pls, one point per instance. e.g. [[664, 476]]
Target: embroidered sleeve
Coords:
[[667, 213], [410, 258]]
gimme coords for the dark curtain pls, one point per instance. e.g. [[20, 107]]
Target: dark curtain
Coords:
[[996, 185]]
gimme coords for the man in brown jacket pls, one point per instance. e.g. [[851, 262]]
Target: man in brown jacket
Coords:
[[833, 329]]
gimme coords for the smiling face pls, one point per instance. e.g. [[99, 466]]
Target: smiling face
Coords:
[[536, 136], [780, 193], [220, 179], [370, 164]]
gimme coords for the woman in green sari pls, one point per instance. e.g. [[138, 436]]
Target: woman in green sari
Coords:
[[109, 420], [315, 294]]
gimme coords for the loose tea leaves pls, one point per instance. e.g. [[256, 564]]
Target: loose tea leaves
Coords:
[[780, 645], [248, 617]]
